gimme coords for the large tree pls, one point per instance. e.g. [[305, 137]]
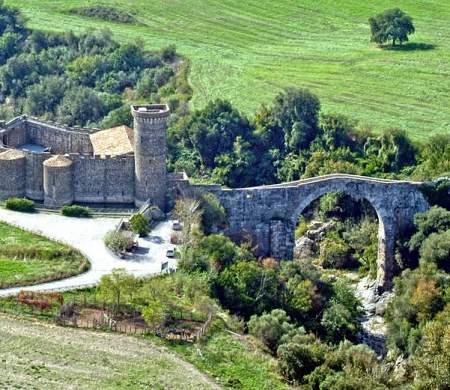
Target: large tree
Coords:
[[391, 25]]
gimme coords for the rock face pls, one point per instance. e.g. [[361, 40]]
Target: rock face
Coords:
[[374, 305], [253, 211], [306, 246]]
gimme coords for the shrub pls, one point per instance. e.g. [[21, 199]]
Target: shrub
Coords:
[[270, 328], [169, 53], [119, 242], [334, 253], [213, 213], [140, 224], [20, 204], [436, 249], [105, 13], [76, 211]]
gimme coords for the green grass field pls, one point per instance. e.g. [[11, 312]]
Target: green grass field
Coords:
[[246, 51], [43, 356], [27, 258]]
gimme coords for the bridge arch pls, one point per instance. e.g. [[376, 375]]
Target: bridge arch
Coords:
[[270, 213], [386, 230]]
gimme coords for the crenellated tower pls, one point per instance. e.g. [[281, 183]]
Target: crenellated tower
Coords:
[[150, 151]]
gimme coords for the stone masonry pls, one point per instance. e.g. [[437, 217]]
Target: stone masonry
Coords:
[[270, 214], [59, 165]]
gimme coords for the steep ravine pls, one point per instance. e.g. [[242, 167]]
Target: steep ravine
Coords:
[[374, 305]]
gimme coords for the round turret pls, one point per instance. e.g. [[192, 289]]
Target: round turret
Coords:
[[12, 173], [150, 151], [58, 186]]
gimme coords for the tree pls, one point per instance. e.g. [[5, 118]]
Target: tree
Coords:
[[436, 249], [432, 360], [391, 25], [118, 284], [435, 220], [296, 111], [271, 327], [247, 288], [80, 106], [213, 213], [140, 224]]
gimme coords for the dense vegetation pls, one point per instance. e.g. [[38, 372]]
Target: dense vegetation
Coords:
[[27, 258], [84, 80], [20, 204], [246, 52], [292, 139]]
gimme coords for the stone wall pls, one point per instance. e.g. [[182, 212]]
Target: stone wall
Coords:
[[269, 214], [35, 175], [12, 174], [103, 180], [60, 140], [15, 135]]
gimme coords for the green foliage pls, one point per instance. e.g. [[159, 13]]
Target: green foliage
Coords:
[[435, 220], [340, 319], [431, 363], [391, 25], [76, 211], [271, 327], [77, 80], [420, 296], [169, 53], [351, 367], [247, 288], [213, 213], [436, 250], [140, 224], [117, 286], [110, 14], [334, 253], [296, 111], [434, 158], [20, 204], [119, 242], [299, 356]]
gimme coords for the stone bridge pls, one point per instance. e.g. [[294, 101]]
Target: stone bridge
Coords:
[[270, 213]]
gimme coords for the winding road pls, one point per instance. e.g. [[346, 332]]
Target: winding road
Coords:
[[87, 235]]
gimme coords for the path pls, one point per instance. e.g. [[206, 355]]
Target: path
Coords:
[[87, 236]]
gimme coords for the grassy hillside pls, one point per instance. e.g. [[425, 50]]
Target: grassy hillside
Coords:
[[37, 355], [247, 50], [27, 258]]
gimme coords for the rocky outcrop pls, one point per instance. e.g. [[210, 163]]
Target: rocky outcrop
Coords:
[[374, 305], [307, 245]]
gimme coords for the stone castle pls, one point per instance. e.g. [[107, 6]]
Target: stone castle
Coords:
[[60, 165]]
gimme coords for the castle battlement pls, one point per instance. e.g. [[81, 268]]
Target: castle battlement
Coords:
[[59, 164]]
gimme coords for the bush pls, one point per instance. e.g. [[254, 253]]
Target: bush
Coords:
[[334, 253], [169, 53], [140, 224], [76, 211], [20, 204], [436, 249], [270, 328], [119, 242], [213, 212], [109, 14]]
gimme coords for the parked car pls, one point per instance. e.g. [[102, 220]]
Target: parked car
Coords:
[[170, 253], [176, 225]]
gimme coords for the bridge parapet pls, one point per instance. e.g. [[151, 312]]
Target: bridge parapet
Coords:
[[270, 213]]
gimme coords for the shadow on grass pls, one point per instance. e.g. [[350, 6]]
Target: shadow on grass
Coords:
[[410, 46]]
